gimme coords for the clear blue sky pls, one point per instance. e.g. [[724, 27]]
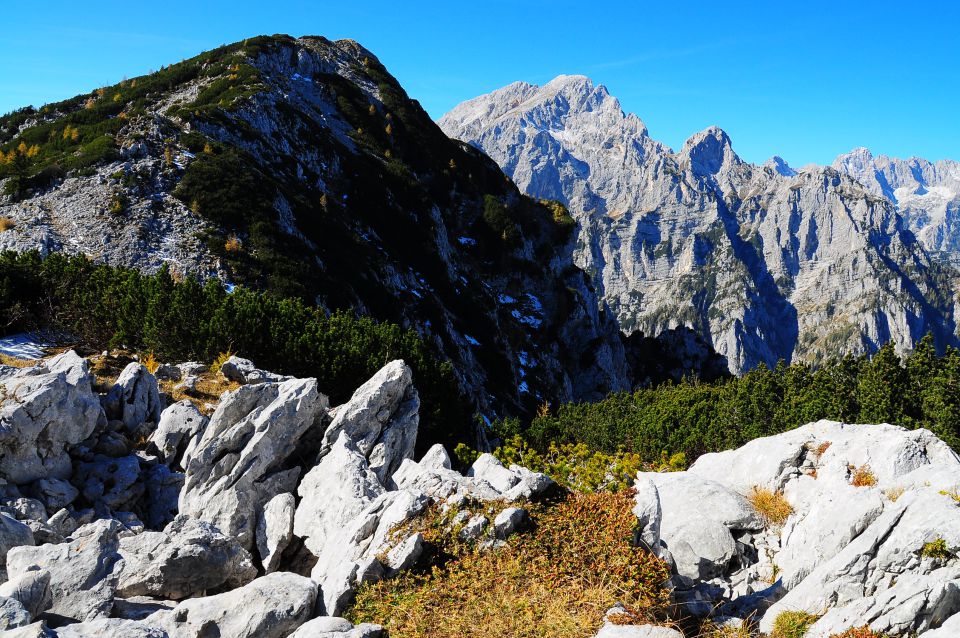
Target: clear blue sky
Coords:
[[806, 80]]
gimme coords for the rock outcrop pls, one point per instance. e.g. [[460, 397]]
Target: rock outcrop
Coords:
[[237, 466], [276, 486], [857, 524]]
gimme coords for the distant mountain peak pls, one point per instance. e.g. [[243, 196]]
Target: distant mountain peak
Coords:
[[709, 151], [780, 165]]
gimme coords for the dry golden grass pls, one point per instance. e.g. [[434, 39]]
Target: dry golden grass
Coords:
[[862, 476], [7, 223], [220, 360], [556, 581], [209, 387], [772, 506], [14, 362], [823, 447]]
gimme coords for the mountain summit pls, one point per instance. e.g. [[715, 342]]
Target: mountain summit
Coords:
[[766, 262], [302, 167]]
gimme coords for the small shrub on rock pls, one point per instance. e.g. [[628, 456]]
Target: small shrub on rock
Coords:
[[6, 223], [936, 549], [792, 624], [772, 506], [860, 632], [862, 476]]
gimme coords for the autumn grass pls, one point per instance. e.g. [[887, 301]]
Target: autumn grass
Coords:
[[772, 506], [862, 476], [149, 361], [16, 362], [792, 624], [894, 493], [555, 581], [7, 223]]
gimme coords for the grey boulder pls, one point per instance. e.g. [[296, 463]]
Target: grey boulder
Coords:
[[46, 410], [82, 582], [272, 606], [134, 398], [185, 559], [381, 418]]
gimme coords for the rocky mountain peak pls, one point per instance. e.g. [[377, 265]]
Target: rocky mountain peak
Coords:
[[709, 151], [778, 164]]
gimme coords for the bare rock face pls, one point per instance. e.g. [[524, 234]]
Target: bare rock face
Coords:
[[187, 558], [237, 466], [179, 424], [47, 410], [275, 529], [927, 195], [765, 262]]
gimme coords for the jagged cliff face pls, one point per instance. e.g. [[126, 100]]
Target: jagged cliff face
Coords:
[[302, 167], [765, 261], [927, 195]]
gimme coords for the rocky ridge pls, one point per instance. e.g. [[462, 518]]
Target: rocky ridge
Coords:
[[766, 262], [866, 533]]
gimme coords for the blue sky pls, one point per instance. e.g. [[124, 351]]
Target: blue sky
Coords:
[[806, 80]]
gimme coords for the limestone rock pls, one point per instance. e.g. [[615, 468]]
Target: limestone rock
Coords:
[[334, 493], [111, 628], [510, 520], [55, 493], [488, 468], [31, 589], [243, 371], [272, 606], [178, 425], [13, 534], [610, 630], [382, 418], [112, 482], [12, 614], [47, 410], [185, 559], [134, 398], [405, 554], [82, 581], [275, 529], [236, 467], [335, 627]]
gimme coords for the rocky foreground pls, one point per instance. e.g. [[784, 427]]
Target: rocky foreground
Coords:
[[125, 516]]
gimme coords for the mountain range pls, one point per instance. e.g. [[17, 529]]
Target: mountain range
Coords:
[[766, 262], [300, 166]]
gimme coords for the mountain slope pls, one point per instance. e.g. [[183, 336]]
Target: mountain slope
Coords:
[[765, 262], [300, 166]]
